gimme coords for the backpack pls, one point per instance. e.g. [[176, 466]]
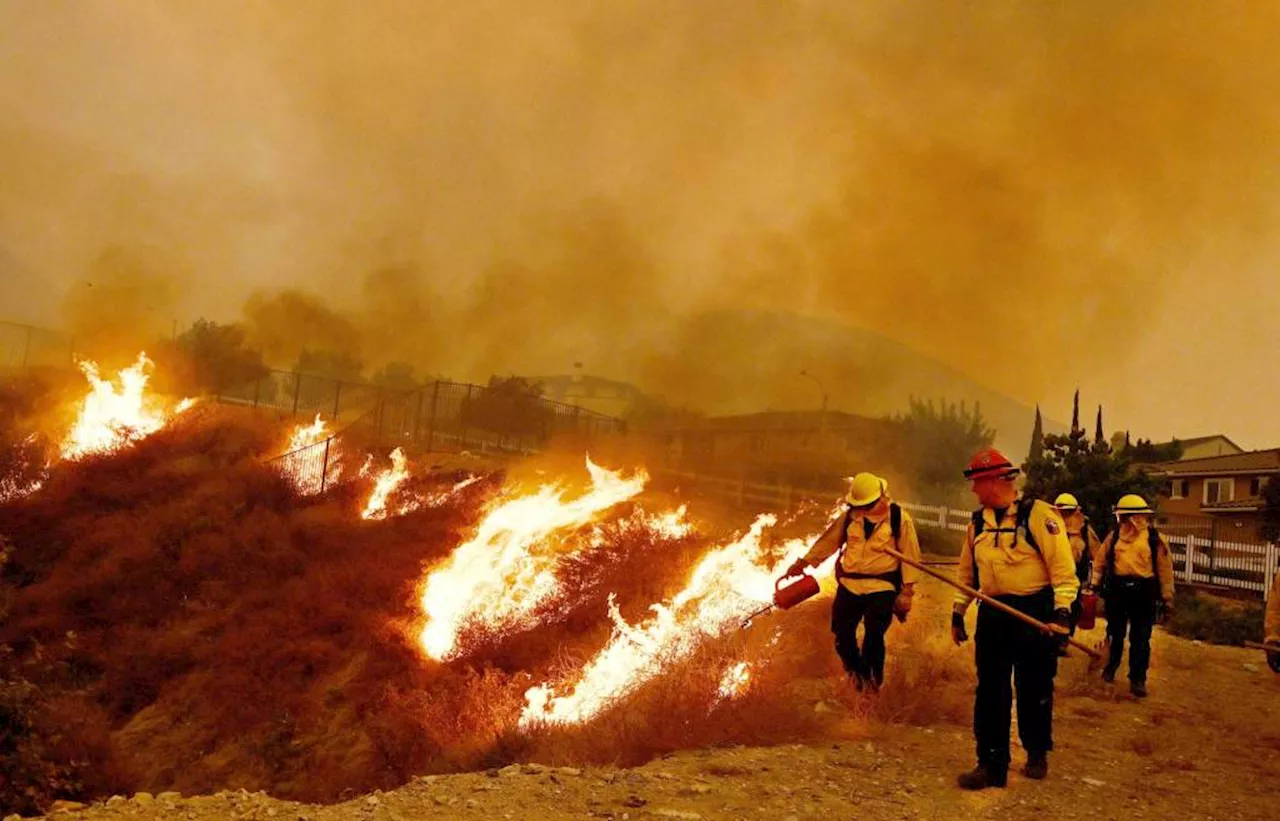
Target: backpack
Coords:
[[1021, 523], [895, 528]]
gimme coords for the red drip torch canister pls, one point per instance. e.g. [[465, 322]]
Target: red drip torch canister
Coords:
[[1088, 611], [804, 588]]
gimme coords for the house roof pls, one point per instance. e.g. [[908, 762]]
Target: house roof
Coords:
[[1236, 506], [1250, 462], [792, 420], [1200, 440]]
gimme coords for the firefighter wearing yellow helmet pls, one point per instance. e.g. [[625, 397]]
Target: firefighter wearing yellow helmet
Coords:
[[1135, 579], [1084, 547], [1272, 624], [873, 585]]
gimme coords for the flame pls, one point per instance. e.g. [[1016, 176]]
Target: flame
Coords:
[[14, 486], [507, 568], [436, 499], [735, 681], [111, 418], [304, 435], [729, 583], [384, 485]]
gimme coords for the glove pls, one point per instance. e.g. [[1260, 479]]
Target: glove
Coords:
[[1273, 656], [1164, 612], [958, 634], [902, 604], [1061, 620], [797, 568]]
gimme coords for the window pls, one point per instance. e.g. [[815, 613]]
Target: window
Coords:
[[1256, 485], [1178, 489], [1217, 491]]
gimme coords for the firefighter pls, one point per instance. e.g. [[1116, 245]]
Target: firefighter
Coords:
[[1272, 626], [1134, 576], [873, 585], [1016, 550], [1084, 547]]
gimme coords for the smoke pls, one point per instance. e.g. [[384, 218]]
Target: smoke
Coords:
[[1033, 194]]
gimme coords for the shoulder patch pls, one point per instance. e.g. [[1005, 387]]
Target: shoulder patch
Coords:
[[1051, 525]]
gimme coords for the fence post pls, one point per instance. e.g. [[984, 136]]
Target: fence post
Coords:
[[257, 389], [1268, 572], [324, 470], [466, 416], [1213, 545], [431, 420], [944, 517], [337, 394], [297, 388]]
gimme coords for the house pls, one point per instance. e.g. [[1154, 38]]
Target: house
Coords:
[[1227, 488], [606, 396], [800, 448], [1203, 447]]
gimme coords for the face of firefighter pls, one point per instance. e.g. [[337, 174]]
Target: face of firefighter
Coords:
[[1072, 517], [877, 510], [995, 491], [1134, 522]]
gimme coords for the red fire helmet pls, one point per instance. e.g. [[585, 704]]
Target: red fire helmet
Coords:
[[990, 462]]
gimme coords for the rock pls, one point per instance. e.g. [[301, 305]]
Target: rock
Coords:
[[14, 817], [144, 798], [472, 803], [272, 812], [1250, 668], [116, 800], [441, 800], [682, 814], [634, 802], [507, 772], [169, 796], [65, 806], [572, 772], [428, 779], [533, 769], [822, 707], [1093, 782], [373, 801], [696, 789]]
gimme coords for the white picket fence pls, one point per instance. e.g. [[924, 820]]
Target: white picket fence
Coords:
[[1196, 560]]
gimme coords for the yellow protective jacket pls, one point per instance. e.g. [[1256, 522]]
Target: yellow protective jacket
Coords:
[[1272, 631], [865, 554], [1133, 558], [1083, 539], [1008, 565]]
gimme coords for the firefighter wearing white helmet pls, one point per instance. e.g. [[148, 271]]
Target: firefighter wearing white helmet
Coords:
[[873, 585], [1135, 579], [1084, 547]]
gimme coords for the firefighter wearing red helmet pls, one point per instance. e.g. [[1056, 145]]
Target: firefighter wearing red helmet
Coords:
[[1015, 550]]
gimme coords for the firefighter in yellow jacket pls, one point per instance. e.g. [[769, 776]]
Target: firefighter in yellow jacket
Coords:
[[1084, 547], [1016, 551], [1272, 631], [1134, 575], [873, 585]]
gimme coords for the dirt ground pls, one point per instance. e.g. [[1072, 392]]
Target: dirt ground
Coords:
[[1205, 745]]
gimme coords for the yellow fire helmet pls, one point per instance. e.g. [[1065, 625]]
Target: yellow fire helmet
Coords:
[[1132, 503], [866, 489], [1066, 501]]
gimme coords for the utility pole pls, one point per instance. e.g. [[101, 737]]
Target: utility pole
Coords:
[[822, 418]]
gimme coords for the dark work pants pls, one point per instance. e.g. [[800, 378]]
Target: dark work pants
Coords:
[[1131, 608], [850, 609], [1010, 649]]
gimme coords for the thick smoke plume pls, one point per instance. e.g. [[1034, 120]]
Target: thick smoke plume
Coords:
[[1037, 194]]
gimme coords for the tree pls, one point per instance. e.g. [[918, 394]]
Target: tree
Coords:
[[1037, 437], [510, 405], [940, 439], [1089, 470], [1271, 510], [397, 376], [211, 358], [1146, 452], [336, 365]]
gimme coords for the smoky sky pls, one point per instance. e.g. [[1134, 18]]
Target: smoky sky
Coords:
[[1039, 195]]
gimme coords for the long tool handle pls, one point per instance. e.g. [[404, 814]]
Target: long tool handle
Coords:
[[1257, 645], [999, 605]]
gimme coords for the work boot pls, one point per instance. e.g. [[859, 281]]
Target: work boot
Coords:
[[1138, 688], [1037, 766], [983, 776], [859, 683], [1109, 674]]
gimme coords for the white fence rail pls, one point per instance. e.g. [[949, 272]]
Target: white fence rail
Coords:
[[1196, 560]]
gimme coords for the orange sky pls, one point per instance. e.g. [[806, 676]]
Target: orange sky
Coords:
[[1044, 196]]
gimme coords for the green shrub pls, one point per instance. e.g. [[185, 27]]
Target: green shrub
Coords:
[[1215, 619]]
